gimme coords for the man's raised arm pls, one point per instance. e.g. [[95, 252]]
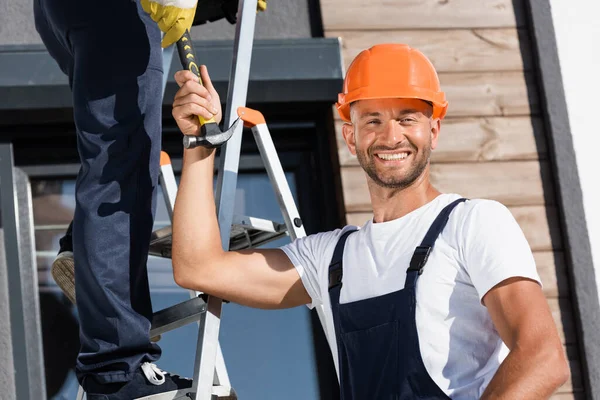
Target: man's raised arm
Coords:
[[255, 278]]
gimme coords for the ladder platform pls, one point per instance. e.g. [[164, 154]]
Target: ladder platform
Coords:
[[177, 316], [246, 232]]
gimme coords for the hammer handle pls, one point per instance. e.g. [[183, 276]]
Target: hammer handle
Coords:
[[187, 57]]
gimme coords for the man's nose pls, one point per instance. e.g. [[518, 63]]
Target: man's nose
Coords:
[[392, 133]]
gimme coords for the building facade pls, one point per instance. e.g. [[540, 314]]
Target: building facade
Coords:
[[506, 137]]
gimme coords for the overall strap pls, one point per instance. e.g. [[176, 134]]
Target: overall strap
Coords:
[[419, 258], [335, 266], [336, 271]]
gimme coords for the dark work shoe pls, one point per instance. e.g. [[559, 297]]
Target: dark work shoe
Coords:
[[149, 383]]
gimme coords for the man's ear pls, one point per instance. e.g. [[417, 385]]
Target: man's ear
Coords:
[[348, 133], [435, 132]]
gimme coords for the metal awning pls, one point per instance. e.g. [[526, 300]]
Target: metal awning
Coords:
[[282, 70]]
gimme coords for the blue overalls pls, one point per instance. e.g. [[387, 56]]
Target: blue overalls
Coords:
[[377, 340]]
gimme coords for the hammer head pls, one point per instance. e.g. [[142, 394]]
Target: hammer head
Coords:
[[210, 136]]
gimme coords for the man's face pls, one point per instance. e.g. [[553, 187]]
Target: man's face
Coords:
[[392, 139]]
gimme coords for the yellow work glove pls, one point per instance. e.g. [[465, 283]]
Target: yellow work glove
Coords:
[[173, 17]]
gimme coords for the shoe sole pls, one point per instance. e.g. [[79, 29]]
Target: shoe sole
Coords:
[[172, 395], [63, 272]]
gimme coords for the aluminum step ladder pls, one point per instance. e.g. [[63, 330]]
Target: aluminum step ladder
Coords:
[[211, 380]]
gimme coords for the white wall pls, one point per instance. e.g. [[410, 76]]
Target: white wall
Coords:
[[577, 33]]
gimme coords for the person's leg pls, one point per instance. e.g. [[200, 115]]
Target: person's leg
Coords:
[[117, 86], [116, 79]]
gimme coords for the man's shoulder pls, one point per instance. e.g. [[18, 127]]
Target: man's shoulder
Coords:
[[477, 215], [485, 209], [329, 239], [479, 208], [322, 241], [483, 220]]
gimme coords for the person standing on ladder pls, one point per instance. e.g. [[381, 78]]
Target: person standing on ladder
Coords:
[[436, 297], [111, 52]]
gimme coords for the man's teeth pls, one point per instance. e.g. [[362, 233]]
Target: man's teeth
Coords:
[[389, 157]]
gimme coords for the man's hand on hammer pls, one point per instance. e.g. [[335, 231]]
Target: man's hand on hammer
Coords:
[[193, 99]]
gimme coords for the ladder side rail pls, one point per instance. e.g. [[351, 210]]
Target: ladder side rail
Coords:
[[221, 377], [236, 97], [169, 186], [278, 180], [207, 348], [168, 183], [286, 201]]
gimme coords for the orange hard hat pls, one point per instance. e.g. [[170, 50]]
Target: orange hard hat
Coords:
[[391, 71]]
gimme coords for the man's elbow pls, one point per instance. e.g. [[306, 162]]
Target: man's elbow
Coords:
[[557, 367], [188, 269], [183, 273], [192, 271], [563, 372]]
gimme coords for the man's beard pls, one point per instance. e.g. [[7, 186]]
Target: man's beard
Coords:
[[366, 159]]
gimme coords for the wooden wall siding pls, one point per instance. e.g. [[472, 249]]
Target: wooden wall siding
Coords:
[[480, 50], [492, 143], [355, 15]]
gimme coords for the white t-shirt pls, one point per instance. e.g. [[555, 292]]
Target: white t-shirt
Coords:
[[481, 246]]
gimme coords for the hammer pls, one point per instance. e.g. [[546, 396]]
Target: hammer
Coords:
[[210, 133]]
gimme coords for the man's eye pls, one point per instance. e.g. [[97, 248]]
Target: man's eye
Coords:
[[407, 120], [373, 121]]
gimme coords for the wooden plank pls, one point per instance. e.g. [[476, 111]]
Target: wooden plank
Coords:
[[552, 268], [511, 183], [420, 14], [456, 50], [490, 93], [481, 94], [539, 230], [477, 139]]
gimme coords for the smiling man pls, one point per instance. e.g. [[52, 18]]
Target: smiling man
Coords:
[[436, 297]]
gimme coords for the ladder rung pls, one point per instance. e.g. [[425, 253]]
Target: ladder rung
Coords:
[[246, 232], [177, 316], [160, 242]]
